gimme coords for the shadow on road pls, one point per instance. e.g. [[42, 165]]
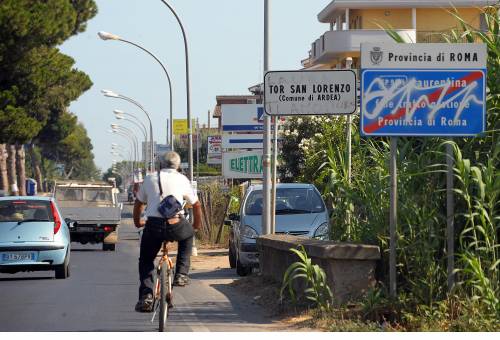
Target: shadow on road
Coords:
[[224, 273], [26, 278]]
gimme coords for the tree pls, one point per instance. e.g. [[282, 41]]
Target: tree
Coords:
[[37, 82]]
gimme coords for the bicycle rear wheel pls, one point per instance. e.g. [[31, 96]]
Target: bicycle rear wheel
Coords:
[[164, 286]]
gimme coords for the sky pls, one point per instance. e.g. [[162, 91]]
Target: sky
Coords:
[[225, 41]]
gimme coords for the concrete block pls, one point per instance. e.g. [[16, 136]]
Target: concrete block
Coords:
[[349, 267]]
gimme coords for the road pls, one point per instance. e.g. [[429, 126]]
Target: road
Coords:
[[102, 290]]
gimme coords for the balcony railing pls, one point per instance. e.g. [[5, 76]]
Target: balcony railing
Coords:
[[333, 43]]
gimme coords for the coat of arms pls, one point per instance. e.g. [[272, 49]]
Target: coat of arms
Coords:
[[376, 55]]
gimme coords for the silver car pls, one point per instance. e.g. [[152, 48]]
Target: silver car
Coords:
[[300, 210], [33, 236]]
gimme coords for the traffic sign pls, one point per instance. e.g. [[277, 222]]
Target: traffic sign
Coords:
[[289, 93], [423, 89]]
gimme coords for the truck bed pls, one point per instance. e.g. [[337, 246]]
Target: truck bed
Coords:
[[93, 215]]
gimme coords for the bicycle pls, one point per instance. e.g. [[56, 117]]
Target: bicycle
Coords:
[[162, 294]]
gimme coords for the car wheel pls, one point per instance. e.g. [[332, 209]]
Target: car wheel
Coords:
[[242, 270], [108, 246], [232, 256], [62, 271]]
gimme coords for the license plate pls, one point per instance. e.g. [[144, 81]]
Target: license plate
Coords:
[[86, 229], [18, 257]]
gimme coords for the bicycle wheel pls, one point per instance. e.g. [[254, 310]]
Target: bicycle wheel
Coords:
[[164, 278]]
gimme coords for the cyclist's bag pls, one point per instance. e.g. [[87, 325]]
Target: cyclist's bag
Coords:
[[169, 206]]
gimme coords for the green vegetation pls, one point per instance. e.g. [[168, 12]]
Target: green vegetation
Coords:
[[361, 208], [38, 83], [314, 278]]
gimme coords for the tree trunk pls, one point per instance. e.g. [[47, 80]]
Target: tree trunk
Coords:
[[36, 168], [21, 168], [4, 180], [14, 190]]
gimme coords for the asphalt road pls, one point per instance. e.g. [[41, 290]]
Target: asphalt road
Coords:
[[102, 290]]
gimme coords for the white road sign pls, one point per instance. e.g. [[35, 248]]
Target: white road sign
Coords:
[[423, 56], [288, 93]]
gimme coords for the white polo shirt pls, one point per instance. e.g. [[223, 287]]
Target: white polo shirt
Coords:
[[173, 183]]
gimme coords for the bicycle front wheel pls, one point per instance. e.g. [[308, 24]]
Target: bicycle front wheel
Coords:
[[164, 286]]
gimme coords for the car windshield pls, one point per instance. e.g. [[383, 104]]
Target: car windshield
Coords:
[[288, 201], [25, 210], [97, 195], [69, 194]]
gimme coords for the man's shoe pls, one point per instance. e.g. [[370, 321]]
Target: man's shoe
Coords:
[[145, 304], [181, 280]]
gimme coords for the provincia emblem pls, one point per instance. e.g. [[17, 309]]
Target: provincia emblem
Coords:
[[376, 55]]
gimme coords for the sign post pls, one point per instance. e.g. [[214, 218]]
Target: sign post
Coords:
[[422, 90]]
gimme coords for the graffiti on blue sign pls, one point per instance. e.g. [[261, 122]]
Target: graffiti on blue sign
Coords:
[[423, 102]]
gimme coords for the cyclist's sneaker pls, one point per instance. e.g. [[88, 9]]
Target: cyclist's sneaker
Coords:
[[181, 280], [145, 304]]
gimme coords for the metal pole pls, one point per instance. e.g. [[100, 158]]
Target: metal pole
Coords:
[[274, 164], [266, 156], [144, 134], [188, 97], [450, 222], [130, 100], [349, 147], [393, 216], [197, 149], [170, 136]]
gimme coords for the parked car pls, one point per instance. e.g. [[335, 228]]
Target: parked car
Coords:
[[300, 210], [33, 236]]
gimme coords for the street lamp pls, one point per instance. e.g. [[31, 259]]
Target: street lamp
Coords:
[[111, 94], [188, 97], [132, 139], [140, 126], [110, 36], [121, 115]]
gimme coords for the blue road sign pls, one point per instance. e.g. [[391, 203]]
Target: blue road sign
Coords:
[[430, 102]]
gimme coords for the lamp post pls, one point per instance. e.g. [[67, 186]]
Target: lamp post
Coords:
[[188, 98], [130, 136], [110, 36], [141, 128], [111, 94], [130, 140]]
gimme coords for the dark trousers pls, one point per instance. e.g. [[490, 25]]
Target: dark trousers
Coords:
[[156, 231]]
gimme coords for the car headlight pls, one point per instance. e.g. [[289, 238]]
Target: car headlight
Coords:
[[322, 232], [249, 232]]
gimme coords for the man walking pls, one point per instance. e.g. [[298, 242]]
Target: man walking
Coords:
[[158, 229]]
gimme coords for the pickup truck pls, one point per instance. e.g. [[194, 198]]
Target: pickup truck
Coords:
[[93, 209]]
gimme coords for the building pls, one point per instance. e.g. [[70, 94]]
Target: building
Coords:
[[253, 98], [353, 22]]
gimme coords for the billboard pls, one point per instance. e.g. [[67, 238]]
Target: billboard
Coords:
[[242, 117], [244, 164], [214, 152]]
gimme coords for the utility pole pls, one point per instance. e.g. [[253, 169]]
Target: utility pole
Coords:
[[266, 156]]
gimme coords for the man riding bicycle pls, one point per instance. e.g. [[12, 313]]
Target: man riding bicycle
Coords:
[[158, 229]]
